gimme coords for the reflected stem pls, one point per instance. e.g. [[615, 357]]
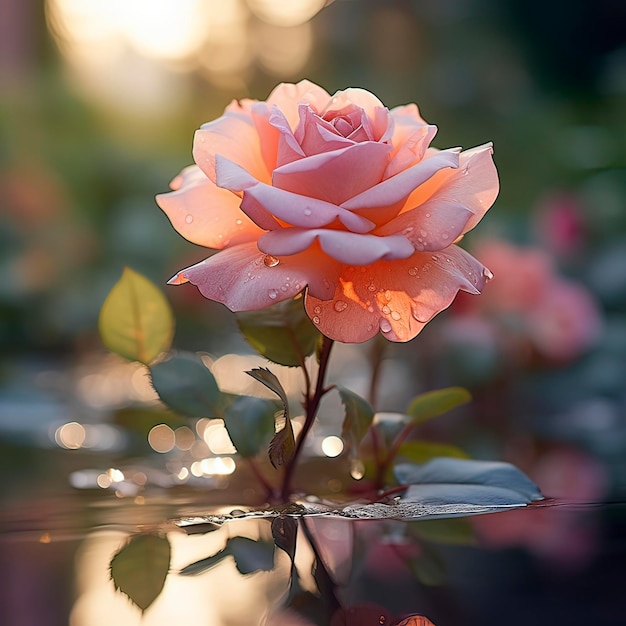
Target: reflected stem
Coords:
[[311, 404]]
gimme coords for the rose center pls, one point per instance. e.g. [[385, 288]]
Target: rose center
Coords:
[[343, 126]]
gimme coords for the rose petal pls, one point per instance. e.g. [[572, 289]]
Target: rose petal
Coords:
[[289, 207], [244, 279], [315, 135], [343, 246], [288, 149], [375, 111], [474, 184], [205, 214], [396, 189], [431, 226], [269, 135], [287, 97], [234, 136], [335, 176], [396, 297]]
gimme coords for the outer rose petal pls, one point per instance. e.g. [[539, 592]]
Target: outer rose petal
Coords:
[[241, 277], [431, 226], [205, 214], [396, 297], [234, 136], [475, 184]]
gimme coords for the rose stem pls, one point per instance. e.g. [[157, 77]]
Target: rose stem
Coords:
[[312, 405]]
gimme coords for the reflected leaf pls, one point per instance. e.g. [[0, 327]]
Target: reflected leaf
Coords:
[[250, 555], [140, 568], [285, 533], [282, 333], [198, 567], [136, 320], [358, 418], [186, 385], [435, 403], [283, 444]]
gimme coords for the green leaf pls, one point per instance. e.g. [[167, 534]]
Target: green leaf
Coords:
[[283, 444], [435, 403], [250, 423], [198, 567], [136, 320], [451, 531], [422, 451], [140, 568], [358, 418], [186, 385], [282, 333]]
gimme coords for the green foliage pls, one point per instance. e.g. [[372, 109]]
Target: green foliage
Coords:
[[358, 418], [136, 320], [250, 423], [451, 531], [282, 333], [423, 451], [435, 403], [140, 568], [186, 385], [283, 444]]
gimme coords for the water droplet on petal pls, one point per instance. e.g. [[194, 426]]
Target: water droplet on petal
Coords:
[[189, 219], [388, 295], [340, 306], [239, 222], [395, 315], [487, 273], [413, 271], [434, 257], [307, 212], [386, 310], [317, 309], [357, 469], [444, 236], [385, 325], [270, 261], [407, 231], [273, 294], [371, 287], [423, 233], [316, 320]]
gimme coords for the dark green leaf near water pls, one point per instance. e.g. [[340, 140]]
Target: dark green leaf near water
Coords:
[[283, 444], [358, 418], [423, 451], [186, 385], [136, 320], [140, 568], [250, 423], [435, 403], [282, 333]]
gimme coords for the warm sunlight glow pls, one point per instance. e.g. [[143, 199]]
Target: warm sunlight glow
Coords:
[[332, 446], [216, 437], [285, 12]]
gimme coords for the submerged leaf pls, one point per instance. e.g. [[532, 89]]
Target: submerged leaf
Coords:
[[283, 444], [186, 385], [358, 418], [251, 555], [282, 333], [285, 533], [136, 320], [434, 403], [140, 568], [198, 567]]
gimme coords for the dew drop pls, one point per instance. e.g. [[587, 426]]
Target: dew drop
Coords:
[[427, 214], [423, 233], [307, 212], [270, 261], [370, 309], [395, 315], [239, 222], [386, 310], [273, 294], [413, 271], [284, 288], [357, 469], [189, 219], [317, 309], [385, 325], [408, 230], [445, 236], [316, 320], [371, 287], [487, 273], [434, 257], [388, 295], [340, 306]]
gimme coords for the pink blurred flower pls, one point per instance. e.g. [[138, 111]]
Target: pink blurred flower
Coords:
[[533, 309], [337, 194]]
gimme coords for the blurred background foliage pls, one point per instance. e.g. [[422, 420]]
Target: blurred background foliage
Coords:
[[98, 103]]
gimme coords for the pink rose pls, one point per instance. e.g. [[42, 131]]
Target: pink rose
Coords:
[[338, 195]]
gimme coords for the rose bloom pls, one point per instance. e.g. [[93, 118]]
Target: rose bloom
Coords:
[[338, 195]]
